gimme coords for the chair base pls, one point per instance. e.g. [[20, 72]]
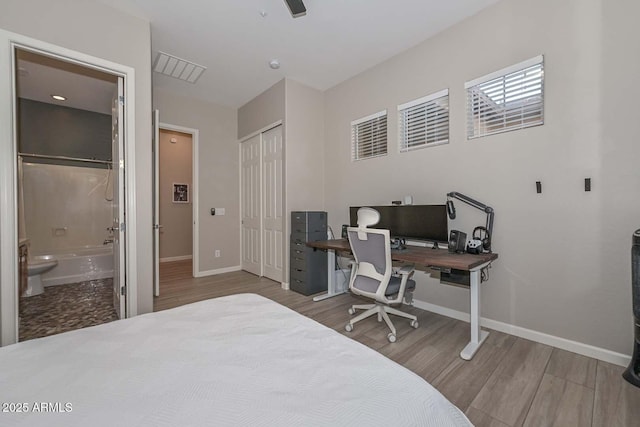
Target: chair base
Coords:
[[382, 311]]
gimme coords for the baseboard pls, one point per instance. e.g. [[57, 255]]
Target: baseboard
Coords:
[[176, 258], [217, 271], [561, 343], [285, 286]]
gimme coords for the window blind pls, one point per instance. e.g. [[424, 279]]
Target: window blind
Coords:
[[369, 136], [424, 122], [509, 99]]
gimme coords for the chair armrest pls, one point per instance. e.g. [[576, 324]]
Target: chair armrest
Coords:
[[407, 269]]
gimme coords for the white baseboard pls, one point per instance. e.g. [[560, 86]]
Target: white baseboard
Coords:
[[217, 271], [561, 343], [176, 258], [285, 286]]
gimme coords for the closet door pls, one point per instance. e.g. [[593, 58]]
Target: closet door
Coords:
[[250, 188], [272, 213]]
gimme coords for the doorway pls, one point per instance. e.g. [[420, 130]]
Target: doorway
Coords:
[[262, 203], [176, 237], [13, 47], [68, 133]]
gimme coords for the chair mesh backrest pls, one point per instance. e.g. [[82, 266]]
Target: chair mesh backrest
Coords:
[[371, 250]]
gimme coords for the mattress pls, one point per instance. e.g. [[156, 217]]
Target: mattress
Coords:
[[240, 360]]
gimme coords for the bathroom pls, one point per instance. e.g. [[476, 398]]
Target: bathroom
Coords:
[[65, 195]]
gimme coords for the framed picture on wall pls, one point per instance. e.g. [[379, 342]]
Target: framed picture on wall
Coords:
[[180, 193]]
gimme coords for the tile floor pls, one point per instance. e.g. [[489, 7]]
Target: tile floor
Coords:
[[64, 308]]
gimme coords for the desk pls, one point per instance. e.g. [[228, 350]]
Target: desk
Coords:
[[430, 258]]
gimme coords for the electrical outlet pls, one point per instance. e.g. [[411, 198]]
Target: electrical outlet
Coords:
[[217, 253]]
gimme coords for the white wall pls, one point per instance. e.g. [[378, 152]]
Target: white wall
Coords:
[[564, 265], [218, 174], [66, 207], [101, 31]]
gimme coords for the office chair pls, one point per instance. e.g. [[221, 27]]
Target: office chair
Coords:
[[371, 273]]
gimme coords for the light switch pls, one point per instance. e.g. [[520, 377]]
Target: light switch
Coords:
[[219, 211]]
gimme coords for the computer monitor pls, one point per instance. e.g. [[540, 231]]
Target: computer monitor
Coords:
[[411, 222]]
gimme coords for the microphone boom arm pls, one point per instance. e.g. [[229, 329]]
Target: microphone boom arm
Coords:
[[478, 205]]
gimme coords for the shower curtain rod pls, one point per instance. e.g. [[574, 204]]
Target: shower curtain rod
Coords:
[[74, 159]]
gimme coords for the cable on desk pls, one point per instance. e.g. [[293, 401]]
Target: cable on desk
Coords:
[[338, 266], [484, 273]]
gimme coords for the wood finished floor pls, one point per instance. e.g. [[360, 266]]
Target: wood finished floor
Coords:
[[510, 381]]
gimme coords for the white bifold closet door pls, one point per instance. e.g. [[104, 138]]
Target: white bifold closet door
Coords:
[[262, 204]]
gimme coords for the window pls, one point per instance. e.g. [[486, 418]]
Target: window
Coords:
[[424, 122], [506, 100], [369, 136]]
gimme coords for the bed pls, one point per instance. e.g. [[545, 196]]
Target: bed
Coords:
[[240, 360]]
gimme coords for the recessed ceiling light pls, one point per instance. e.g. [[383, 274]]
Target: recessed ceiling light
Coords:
[[274, 64], [59, 97]]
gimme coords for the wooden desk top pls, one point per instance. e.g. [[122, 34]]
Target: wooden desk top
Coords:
[[418, 255]]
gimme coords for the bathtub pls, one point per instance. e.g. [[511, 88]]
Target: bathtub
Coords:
[[78, 265]]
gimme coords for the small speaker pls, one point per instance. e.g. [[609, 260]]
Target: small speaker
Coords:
[[457, 241]]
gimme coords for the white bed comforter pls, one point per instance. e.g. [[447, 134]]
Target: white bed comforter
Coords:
[[240, 360]]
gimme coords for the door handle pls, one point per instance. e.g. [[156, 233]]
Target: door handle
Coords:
[[157, 226]]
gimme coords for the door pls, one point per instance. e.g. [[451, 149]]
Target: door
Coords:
[[156, 203], [251, 204], [118, 226], [272, 218]]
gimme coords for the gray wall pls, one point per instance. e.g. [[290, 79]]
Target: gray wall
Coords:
[[62, 131], [564, 266], [96, 29], [218, 173], [301, 108], [263, 110]]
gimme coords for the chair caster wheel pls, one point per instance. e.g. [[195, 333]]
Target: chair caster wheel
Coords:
[[352, 311], [391, 338], [348, 327], [414, 324]]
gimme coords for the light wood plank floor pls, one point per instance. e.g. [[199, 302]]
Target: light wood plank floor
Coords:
[[509, 382]]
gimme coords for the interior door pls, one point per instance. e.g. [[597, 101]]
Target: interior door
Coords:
[[118, 226], [272, 218], [156, 202], [251, 205]]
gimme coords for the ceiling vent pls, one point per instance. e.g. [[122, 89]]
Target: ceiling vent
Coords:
[[178, 68]]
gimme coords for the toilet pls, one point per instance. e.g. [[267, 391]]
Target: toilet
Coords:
[[34, 270]]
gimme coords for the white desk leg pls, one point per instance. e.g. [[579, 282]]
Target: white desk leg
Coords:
[[477, 335], [331, 279]]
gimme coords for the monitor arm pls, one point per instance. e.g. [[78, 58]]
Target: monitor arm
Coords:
[[476, 204]]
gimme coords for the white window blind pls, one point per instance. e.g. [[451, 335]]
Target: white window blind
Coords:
[[424, 122], [509, 99], [369, 136]]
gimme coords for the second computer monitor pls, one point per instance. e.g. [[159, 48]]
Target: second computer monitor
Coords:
[[412, 222]]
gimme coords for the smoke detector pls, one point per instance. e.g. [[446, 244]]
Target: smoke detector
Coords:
[[274, 64]]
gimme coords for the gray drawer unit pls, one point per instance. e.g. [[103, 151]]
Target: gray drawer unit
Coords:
[[307, 267]]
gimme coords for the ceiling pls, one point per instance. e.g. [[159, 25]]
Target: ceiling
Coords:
[[40, 76], [336, 40]]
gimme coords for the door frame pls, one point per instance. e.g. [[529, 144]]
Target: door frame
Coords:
[[9, 42], [195, 230]]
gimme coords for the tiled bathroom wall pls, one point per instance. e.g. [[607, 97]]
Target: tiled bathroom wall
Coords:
[[66, 207]]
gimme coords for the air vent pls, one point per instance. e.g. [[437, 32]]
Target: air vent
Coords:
[[178, 68]]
